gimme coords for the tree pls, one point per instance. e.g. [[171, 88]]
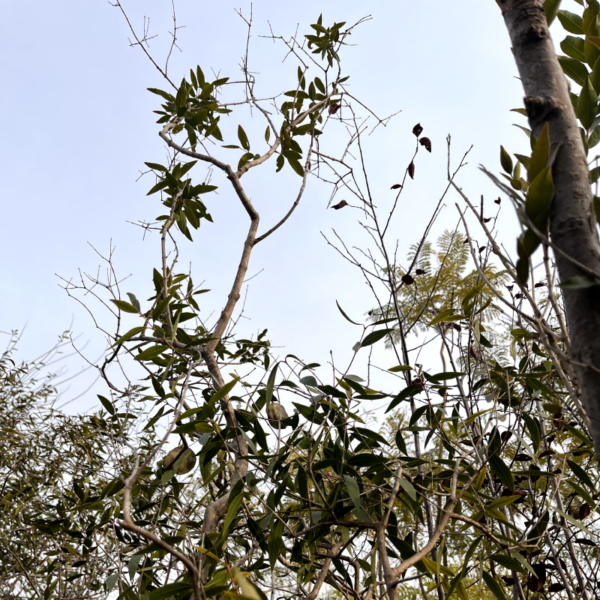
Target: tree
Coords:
[[481, 483], [570, 214]]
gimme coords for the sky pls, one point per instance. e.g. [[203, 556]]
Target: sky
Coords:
[[77, 126]]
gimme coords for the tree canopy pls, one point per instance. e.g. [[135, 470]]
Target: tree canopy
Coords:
[[219, 468]]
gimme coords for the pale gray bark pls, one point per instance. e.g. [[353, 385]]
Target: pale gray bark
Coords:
[[573, 230]]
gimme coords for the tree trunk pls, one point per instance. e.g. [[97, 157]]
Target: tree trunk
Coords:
[[573, 227]]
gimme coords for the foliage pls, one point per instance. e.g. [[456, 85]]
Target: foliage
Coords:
[[481, 485]]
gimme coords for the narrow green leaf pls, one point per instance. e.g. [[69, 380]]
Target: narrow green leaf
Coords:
[[129, 335], [108, 405], [353, 490], [409, 488], [541, 154], [223, 391], [581, 474], [579, 282], [575, 522], [539, 198], [493, 585], [506, 160], [345, 315], [587, 107], [271, 384], [125, 306], [243, 138], [375, 336], [502, 472]]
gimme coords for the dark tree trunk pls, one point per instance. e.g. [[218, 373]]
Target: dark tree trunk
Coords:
[[572, 221]]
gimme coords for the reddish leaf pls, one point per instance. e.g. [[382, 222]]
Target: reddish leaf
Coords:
[[473, 353], [519, 296], [522, 457], [411, 170], [396, 186], [556, 587], [466, 241], [340, 205], [417, 129], [508, 580], [549, 452], [557, 472], [540, 284], [457, 326], [534, 584], [420, 272], [482, 248], [407, 279], [584, 512], [585, 542], [334, 108], [506, 435], [487, 220], [498, 200], [425, 141]]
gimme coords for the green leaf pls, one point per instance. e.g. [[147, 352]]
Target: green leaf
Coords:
[[128, 335], [400, 368], [110, 582], [125, 306], [166, 96], [509, 563], [581, 474], [375, 336], [593, 141], [445, 315], [108, 405], [171, 589], [407, 392], [502, 472], [539, 198], [275, 542], [456, 581], [345, 315], [223, 391], [541, 154], [506, 160], [271, 384], [353, 490], [575, 522], [492, 583], [571, 22], [587, 107], [579, 282], [409, 488], [535, 431], [573, 47], [151, 353], [233, 506], [243, 138], [574, 69], [295, 164]]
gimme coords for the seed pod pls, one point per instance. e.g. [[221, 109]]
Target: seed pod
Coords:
[[179, 460], [276, 413]]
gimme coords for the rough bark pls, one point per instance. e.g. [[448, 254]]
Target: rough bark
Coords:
[[573, 229]]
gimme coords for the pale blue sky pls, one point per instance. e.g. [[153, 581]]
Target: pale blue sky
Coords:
[[77, 125]]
